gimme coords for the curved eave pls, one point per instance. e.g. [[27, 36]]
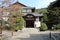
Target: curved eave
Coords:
[[35, 14]]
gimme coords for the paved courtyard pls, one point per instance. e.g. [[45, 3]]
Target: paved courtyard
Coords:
[[26, 35]]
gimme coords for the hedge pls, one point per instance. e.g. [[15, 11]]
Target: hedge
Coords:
[[43, 27]]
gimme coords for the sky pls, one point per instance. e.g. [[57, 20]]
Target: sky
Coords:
[[36, 3]]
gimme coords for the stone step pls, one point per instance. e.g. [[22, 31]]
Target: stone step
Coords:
[[29, 30]]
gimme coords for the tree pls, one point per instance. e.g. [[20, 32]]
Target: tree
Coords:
[[15, 18], [44, 12], [16, 21], [54, 12], [4, 8]]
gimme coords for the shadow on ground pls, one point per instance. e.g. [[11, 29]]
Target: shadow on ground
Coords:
[[36, 37]]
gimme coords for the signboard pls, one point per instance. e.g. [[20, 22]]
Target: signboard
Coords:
[[29, 15]]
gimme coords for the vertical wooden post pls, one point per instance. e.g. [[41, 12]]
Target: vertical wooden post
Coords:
[[50, 35], [1, 29], [0, 33], [12, 33]]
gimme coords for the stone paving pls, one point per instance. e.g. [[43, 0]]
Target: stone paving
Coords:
[[26, 34]]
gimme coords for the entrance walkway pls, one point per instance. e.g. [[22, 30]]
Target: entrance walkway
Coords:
[[27, 34]]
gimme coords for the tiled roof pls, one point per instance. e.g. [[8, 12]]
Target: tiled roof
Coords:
[[35, 14], [18, 3]]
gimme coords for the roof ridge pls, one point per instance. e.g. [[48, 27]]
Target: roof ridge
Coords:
[[18, 3]]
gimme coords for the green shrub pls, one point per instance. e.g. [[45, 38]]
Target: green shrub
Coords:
[[58, 26], [43, 27], [2, 22], [16, 20], [12, 27], [18, 25]]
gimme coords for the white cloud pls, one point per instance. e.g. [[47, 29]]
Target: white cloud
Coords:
[[43, 3]]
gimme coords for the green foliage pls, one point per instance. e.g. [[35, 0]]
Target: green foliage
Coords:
[[54, 13], [20, 22], [2, 24], [54, 4], [43, 27], [18, 25], [14, 27], [58, 26], [43, 10], [45, 17], [16, 21]]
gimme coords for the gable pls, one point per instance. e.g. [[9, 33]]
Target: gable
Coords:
[[16, 6], [19, 4]]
